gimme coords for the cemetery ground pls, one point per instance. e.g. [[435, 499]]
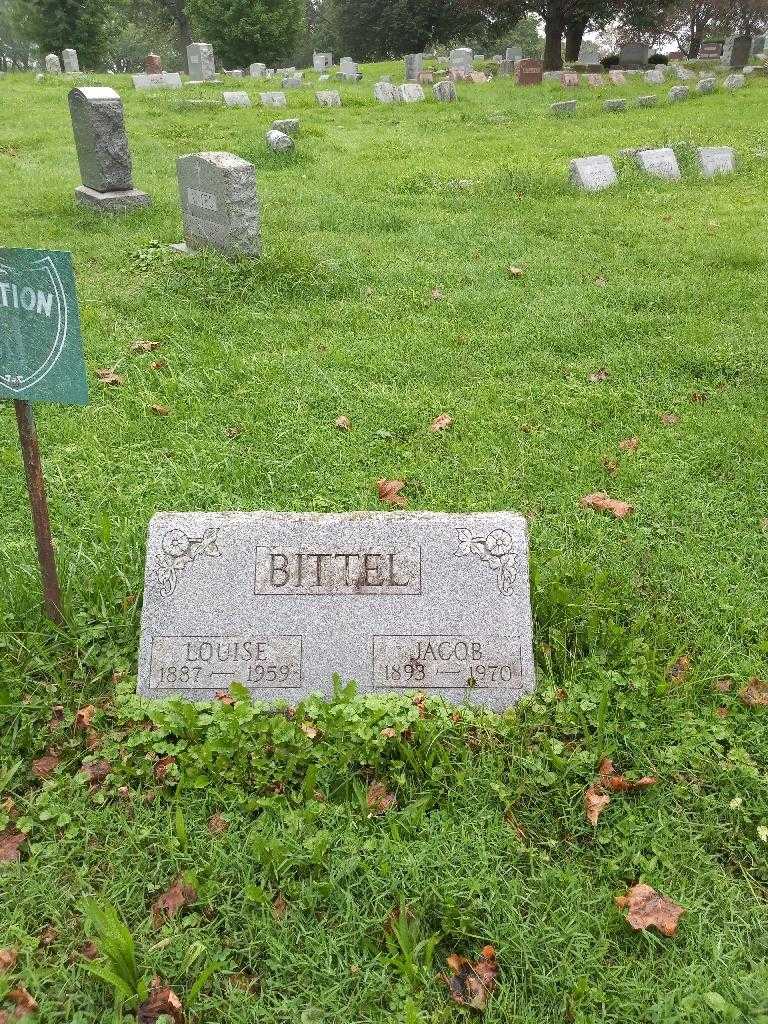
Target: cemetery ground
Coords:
[[323, 864]]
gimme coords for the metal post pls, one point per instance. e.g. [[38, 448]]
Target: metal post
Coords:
[[30, 451]]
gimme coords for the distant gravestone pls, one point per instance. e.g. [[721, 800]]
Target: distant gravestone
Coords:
[[385, 92], [328, 98], [513, 53], [706, 85], [633, 55], [414, 65], [461, 57], [219, 204], [506, 69], [713, 160], [596, 81], [734, 81], [410, 93], [165, 80], [660, 163], [292, 82], [711, 51], [322, 61], [257, 69], [683, 74], [71, 63], [272, 99], [200, 62], [235, 73], [655, 76], [52, 64], [529, 71], [758, 45], [426, 77], [592, 173], [566, 108], [282, 602], [236, 99], [617, 78], [348, 68], [569, 79], [737, 51], [445, 92], [289, 126], [647, 101], [153, 65], [279, 142], [588, 54], [614, 105], [98, 126], [678, 93]]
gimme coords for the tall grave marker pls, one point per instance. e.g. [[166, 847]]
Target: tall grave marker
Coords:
[[219, 204], [41, 360], [282, 601]]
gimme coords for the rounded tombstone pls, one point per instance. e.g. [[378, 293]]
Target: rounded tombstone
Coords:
[[153, 65], [279, 142]]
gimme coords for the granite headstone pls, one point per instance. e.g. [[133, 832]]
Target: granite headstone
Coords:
[[219, 203]]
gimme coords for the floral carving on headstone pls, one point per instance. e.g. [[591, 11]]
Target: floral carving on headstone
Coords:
[[178, 551], [497, 551]]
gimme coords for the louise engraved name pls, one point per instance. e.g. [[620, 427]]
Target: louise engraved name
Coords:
[[280, 571]]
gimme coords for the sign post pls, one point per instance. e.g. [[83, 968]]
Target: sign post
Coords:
[[41, 359]]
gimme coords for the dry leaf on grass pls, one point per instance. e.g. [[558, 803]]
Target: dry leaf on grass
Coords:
[[436, 294], [699, 396], [594, 804], [233, 432], [217, 825], [600, 281], [145, 346], [388, 733], [309, 730], [279, 907], [755, 693], [600, 502], [441, 422], [515, 272], [250, 983], [599, 376], [10, 845], [609, 778], [389, 492], [23, 1001], [83, 717], [669, 419], [378, 799], [48, 935], [8, 959], [649, 909], [343, 423], [89, 950], [680, 670], [172, 901], [163, 766], [109, 377], [159, 364], [159, 410], [96, 772], [611, 466], [722, 685], [471, 984], [45, 765], [629, 444], [162, 1001]]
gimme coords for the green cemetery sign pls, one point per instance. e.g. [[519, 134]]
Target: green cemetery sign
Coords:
[[41, 351]]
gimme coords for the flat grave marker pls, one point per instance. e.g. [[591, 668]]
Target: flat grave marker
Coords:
[[592, 173], [660, 163], [713, 160], [281, 602]]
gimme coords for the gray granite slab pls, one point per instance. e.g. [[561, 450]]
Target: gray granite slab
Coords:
[[445, 91], [52, 64], [102, 145], [592, 173], [240, 98], [272, 99], [219, 204], [282, 601], [565, 108], [661, 163], [678, 93], [714, 160], [410, 93], [122, 201], [706, 85], [257, 70], [655, 76], [328, 98], [279, 142], [385, 92], [70, 60], [200, 62], [414, 63], [615, 105], [735, 81], [163, 80], [289, 126], [647, 101], [322, 61]]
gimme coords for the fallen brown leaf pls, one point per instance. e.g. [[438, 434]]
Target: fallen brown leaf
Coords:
[[83, 717], [309, 730], [10, 845], [608, 778], [159, 410], [109, 377], [217, 825], [629, 444], [649, 909], [436, 294], [163, 766], [23, 1002], [378, 799], [161, 1002], [389, 492], [343, 423], [48, 935], [441, 422], [669, 419], [233, 432], [88, 950], [471, 984], [699, 396], [250, 983], [723, 685], [225, 698], [159, 364], [755, 693], [722, 712], [594, 804], [45, 765], [8, 959], [279, 907], [600, 281], [680, 670], [145, 346], [388, 733], [611, 466], [96, 772], [600, 502], [598, 376], [515, 272], [172, 901]]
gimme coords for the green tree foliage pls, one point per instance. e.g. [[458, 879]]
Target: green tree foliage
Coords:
[[58, 24], [246, 30], [16, 36]]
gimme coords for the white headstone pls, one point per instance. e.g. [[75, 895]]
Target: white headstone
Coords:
[[714, 160], [328, 98], [236, 99], [71, 63], [593, 173], [272, 99], [661, 163]]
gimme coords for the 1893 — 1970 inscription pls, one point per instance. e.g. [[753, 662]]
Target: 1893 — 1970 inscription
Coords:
[[280, 601]]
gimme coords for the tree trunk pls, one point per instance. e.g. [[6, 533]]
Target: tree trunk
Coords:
[[694, 47], [183, 27], [574, 33], [553, 44]]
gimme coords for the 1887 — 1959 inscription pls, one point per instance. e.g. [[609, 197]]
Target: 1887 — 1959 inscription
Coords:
[[281, 601]]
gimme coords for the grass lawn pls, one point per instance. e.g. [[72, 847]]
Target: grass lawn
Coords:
[[383, 294]]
